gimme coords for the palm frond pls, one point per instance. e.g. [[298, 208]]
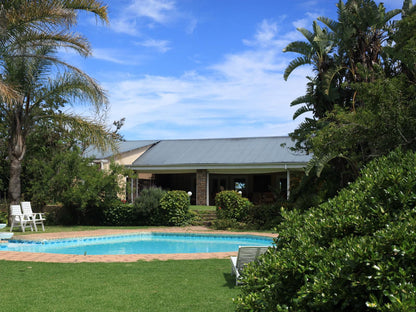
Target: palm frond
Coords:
[[300, 47], [301, 100], [330, 23], [93, 6], [72, 87], [299, 61], [319, 163], [310, 36], [302, 110], [88, 131], [63, 39], [329, 77]]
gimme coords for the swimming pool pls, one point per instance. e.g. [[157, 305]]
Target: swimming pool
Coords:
[[140, 243]]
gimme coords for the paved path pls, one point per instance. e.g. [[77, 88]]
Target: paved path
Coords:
[[45, 257]]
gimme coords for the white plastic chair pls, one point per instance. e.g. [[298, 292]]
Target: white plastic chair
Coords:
[[246, 254], [36, 217], [19, 219]]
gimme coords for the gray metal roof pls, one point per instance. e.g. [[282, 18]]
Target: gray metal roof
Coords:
[[123, 146], [233, 151]]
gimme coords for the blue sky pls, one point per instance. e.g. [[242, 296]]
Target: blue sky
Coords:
[[178, 69]]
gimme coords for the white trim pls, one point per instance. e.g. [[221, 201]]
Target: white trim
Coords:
[[222, 168]]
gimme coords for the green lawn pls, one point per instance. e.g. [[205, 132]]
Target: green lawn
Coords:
[[202, 208], [192, 285]]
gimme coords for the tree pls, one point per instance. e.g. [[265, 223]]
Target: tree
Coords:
[[30, 88], [315, 51], [348, 52]]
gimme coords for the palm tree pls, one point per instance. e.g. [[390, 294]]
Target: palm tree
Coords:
[[30, 33], [315, 51], [36, 23], [360, 32]]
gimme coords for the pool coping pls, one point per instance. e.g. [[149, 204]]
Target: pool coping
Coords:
[[58, 258]]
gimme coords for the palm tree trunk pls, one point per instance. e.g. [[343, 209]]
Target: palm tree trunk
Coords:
[[16, 154], [17, 149], [15, 188]]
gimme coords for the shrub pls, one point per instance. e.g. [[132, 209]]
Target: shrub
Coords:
[[69, 178], [3, 217], [231, 205], [119, 213], [228, 224], [147, 208], [265, 216], [353, 253], [175, 207]]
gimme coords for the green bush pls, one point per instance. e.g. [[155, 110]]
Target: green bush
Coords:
[[147, 208], [3, 217], [231, 205], [265, 216], [175, 207], [68, 178], [355, 252], [228, 224], [119, 213]]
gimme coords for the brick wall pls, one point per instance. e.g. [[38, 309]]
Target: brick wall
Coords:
[[201, 187]]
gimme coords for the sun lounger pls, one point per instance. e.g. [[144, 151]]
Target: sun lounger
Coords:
[[246, 254]]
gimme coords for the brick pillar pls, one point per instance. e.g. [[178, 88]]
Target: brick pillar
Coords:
[[201, 187]]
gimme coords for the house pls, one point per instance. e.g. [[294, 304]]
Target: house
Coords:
[[260, 167]]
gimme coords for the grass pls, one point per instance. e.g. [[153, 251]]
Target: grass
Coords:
[[202, 208], [191, 285]]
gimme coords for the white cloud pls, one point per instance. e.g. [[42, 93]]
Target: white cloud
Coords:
[[140, 12], [125, 26], [160, 45], [243, 95], [156, 10], [265, 36], [108, 55]]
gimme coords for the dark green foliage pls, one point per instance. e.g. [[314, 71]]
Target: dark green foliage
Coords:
[[3, 217], [264, 216], [175, 207], [355, 252], [147, 210], [83, 189], [231, 205], [119, 213]]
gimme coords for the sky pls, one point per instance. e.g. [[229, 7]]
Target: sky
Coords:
[[193, 69]]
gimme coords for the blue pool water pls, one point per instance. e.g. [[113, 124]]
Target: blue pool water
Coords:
[[142, 243]]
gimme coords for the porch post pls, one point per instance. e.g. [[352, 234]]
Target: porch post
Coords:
[[288, 184], [201, 187]]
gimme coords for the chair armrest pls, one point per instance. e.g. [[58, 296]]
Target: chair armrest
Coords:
[[39, 216]]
